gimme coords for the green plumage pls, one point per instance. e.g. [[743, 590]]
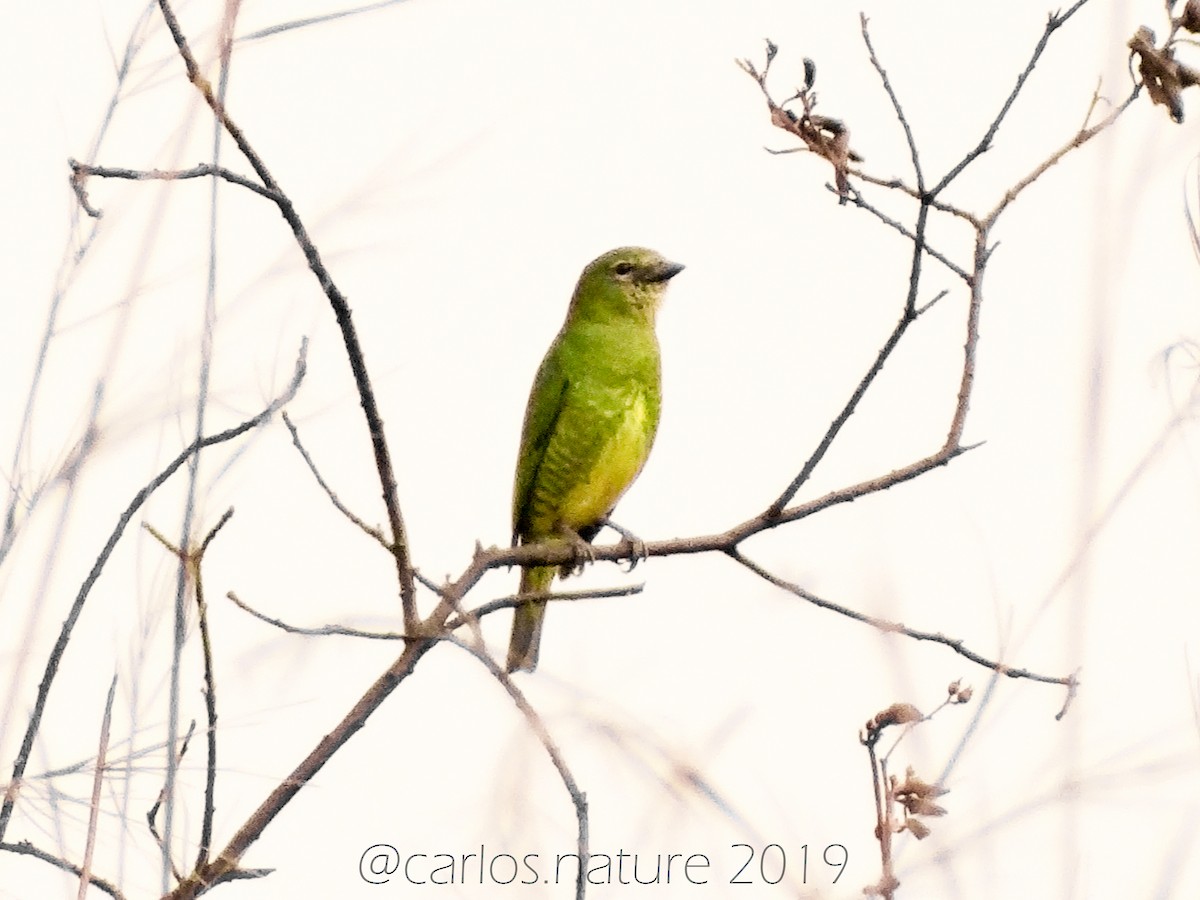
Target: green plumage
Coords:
[[591, 418]]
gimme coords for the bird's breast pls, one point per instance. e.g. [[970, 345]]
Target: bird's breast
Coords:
[[622, 453]]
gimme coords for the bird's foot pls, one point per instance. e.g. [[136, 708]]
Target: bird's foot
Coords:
[[637, 547], [583, 551]]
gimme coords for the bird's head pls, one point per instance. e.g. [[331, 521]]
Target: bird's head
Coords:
[[628, 281]]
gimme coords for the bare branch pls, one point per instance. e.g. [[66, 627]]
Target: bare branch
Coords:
[[887, 86], [1053, 23], [191, 560], [152, 812], [955, 644], [514, 600], [27, 849], [85, 875], [578, 797], [316, 632], [225, 864], [826, 137], [856, 198], [341, 308], [60, 646], [80, 172], [1081, 137], [312, 467]]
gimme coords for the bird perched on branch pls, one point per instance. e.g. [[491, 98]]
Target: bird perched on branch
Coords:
[[590, 421]]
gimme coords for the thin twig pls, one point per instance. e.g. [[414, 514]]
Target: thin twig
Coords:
[[282, 27], [210, 698], [887, 87], [1078, 140], [191, 560], [967, 379], [558, 553], [906, 319], [924, 308], [74, 255], [856, 198], [152, 812], [955, 644], [85, 874], [897, 184], [578, 797], [452, 624], [27, 849], [883, 818], [80, 172], [514, 600], [68, 626], [1053, 23], [312, 467], [224, 865], [316, 632], [341, 309]]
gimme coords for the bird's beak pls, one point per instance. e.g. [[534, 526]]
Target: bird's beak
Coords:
[[664, 272]]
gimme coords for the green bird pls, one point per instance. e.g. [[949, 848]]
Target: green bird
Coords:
[[590, 421]]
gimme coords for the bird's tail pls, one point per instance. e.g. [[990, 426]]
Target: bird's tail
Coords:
[[527, 620]]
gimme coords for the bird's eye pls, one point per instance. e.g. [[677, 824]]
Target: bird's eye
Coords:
[[623, 268]]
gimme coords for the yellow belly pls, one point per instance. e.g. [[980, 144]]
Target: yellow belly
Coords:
[[618, 465]]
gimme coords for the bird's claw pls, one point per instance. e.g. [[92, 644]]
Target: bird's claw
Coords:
[[637, 547], [637, 552], [582, 551]]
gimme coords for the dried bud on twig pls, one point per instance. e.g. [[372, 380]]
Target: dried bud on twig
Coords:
[[1163, 75], [828, 138], [1190, 18], [896, 714], [917, 796], [918, 828], [958, 693]]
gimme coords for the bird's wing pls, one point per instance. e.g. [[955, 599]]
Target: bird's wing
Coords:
[[546, 402]]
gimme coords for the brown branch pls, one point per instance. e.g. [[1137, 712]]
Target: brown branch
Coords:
[[884, 829], [341, 308], [912, 794], [1080, 138], [225, 865], [192, 560], [967, 378], [557, 553]]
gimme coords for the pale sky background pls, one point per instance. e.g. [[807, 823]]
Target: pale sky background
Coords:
[[457, 163]]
